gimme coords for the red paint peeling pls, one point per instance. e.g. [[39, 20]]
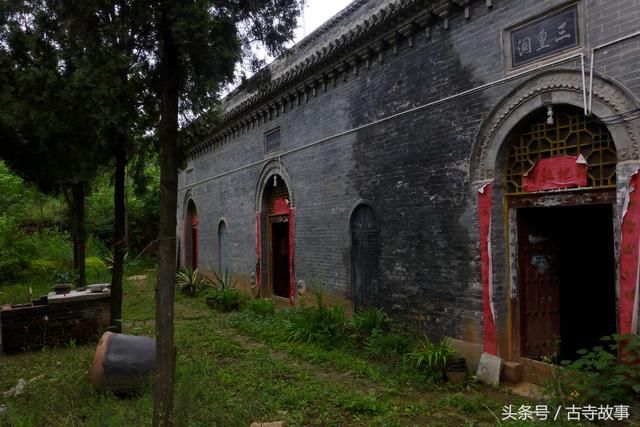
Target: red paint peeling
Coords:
[[630, 258], [183, 244], [490, 344], [194, 228], [292, 281], [555, 173], [258, 241], [281, 206]]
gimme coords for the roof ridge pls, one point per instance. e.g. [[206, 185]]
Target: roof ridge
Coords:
[[366, 23]]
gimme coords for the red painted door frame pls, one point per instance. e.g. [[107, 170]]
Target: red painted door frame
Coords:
[[194, 241], [292, 281], [291, 220], [581, 198]]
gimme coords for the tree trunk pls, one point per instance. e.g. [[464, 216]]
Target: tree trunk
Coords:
[[79, 231], [120, 245], [168, 132]]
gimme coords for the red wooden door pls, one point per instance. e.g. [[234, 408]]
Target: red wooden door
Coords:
[[539, 285]]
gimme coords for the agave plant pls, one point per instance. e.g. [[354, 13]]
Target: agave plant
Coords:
[[222, 281], [224, 296], [189, 280]]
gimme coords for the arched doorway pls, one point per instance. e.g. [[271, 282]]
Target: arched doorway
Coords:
[[560, 187], [275, 230], [501, 204], [364, 256], [191, 236]]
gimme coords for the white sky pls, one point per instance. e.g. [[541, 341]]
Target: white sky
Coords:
[[316, 12]]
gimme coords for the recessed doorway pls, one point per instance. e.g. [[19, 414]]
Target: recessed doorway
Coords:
[[566, 279], [280, 259]]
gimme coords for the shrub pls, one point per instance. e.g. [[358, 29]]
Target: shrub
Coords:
[[367, 321], [43, 267], [18, 250], [54, 245], [14, 250], [322, 325], [431, 357], [224, 299], [95, 268], [604, 377]]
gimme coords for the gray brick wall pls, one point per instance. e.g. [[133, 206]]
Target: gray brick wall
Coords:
[[413, 168]]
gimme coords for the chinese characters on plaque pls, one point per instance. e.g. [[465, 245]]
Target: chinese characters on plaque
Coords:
[[544, 37]]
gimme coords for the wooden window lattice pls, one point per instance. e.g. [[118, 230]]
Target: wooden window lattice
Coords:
[[272, 141], [571, 134]]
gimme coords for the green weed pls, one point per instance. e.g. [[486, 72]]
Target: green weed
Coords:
[[431, 357], [365, 322], [606, 373], [261, 307], [322, 325]]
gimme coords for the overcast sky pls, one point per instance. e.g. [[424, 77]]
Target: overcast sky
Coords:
[[316, 12]]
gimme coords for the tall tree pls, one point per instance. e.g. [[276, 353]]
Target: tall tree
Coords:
[[200, 44], [50, 137], [108, 47], [182, 51]]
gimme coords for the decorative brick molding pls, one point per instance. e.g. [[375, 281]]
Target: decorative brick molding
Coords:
[[549, 88], [273, 167]]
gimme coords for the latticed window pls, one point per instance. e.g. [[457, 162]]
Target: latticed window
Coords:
[[272, 140], [571, 134]]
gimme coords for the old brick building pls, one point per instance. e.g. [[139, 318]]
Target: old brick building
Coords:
[[468, 165]]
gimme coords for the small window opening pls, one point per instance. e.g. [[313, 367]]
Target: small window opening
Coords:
[[272, 140]]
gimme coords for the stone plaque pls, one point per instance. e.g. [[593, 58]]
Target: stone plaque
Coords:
[[543, 37]]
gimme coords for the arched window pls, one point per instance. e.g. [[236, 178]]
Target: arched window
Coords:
[[561, 131]]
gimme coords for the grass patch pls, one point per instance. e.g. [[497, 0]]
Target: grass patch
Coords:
[[235, 369]]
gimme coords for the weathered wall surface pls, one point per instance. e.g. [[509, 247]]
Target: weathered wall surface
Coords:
[[55, 324], [413, 168]]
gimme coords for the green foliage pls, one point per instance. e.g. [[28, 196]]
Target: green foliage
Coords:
[[96, 269], [16, 196], [142, 207], [431, 357], [606, 373], [224, 299], [254, 383], [14, 250], [320, 324], [367, 321], [388, 344], [31, 256], [190, 281], [223, 296], [222, 281], [261, 307]]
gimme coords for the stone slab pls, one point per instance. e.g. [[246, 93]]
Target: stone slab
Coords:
[[489, 369]]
